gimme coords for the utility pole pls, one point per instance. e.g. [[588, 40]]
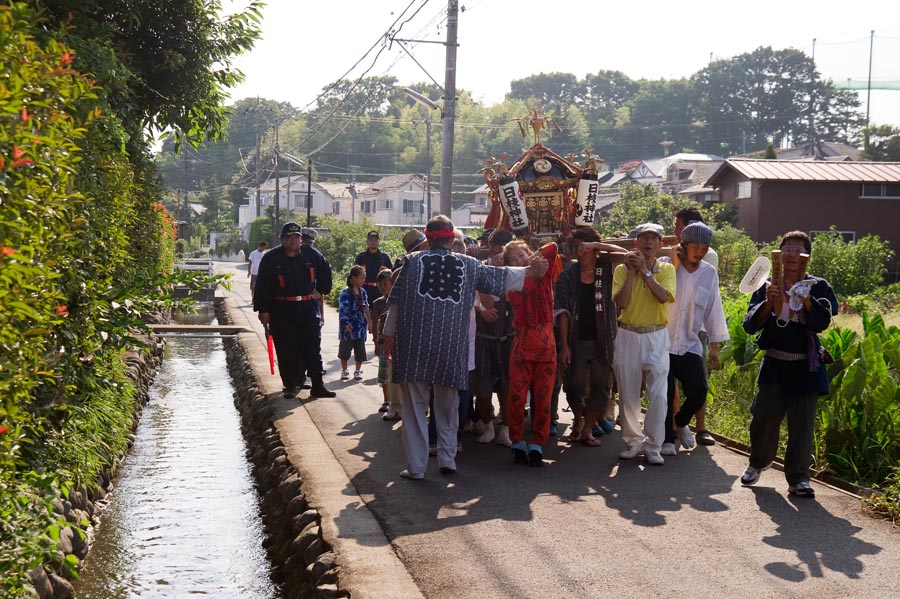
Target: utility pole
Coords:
[[186, 215], [277, 230], [256, 114], [352, 191], [428, 166], [869, 85], [309, 192], [449, 108]]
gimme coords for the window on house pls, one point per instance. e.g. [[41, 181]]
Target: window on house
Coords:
[[299, 200], [481, 201], [880, 190], [387, 204], [413, 207], [847, 236], [743, 190], [335, 208]]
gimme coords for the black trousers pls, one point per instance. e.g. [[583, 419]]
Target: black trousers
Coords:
[[297, 334], [769, 408], [688, 369]]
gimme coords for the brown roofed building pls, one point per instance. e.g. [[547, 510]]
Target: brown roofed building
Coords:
[[774, 196]]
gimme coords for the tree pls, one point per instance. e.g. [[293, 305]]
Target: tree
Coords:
[[643, 204], [748, 99], [660, 111], [162, 65], [882, 143], [555, 92]]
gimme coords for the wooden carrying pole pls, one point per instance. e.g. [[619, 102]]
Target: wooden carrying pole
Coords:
[[778, 279]]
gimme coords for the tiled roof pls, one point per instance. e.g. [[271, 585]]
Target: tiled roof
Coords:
[[810, 170]]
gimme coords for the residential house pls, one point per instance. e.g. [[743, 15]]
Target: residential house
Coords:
[[342, 207], [476, 211], [676, 172], [821, 150], [397, 200], [775, 196], [292, 196]]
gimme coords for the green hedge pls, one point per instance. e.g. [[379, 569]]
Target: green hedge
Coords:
[[86, 251]]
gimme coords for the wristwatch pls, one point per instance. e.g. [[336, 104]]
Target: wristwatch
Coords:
[[648, 274]]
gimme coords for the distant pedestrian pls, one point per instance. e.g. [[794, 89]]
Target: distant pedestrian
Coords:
[[292, 277], [255, 258], [354, 323], [373, 260]]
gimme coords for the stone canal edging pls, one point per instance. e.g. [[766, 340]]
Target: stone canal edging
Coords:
[[51, 581], [303, 561]]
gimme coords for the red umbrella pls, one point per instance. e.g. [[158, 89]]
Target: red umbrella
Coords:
[[270, 345]]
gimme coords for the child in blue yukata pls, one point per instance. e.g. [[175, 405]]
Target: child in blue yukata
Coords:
[[353, 317]]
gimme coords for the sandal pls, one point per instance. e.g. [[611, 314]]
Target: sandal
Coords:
[[590, 441], [577, 424]]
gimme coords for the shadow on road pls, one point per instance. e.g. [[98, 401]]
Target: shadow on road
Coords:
[[489, 487], [820, 539]]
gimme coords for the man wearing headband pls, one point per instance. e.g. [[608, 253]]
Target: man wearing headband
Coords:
[[427, 337]]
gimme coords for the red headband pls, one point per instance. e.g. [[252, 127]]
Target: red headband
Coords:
[[440, 234]]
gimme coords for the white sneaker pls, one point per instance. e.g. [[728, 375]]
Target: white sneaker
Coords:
[[686, 437], [502, 437], [653, 458], [631, 451], [478, 428], [412, 475], [357, 375], [469, 427], [345, 376], [668, 449], [488, 435]]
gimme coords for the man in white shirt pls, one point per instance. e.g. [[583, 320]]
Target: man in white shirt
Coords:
[[683, 218], [697, 306], [255, 258]]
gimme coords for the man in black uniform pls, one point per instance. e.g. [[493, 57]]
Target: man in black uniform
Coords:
[[292, 277], [373, 259]]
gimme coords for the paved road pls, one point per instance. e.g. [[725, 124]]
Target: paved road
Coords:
[[585, 525]]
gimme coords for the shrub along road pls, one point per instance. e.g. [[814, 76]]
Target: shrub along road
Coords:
[[587, 524]]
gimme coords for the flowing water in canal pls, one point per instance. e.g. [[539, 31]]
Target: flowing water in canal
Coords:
[[184, 518]]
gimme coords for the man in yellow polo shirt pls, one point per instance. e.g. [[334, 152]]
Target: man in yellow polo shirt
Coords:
[[642, 287]]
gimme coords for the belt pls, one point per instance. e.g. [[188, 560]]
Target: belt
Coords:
[[651, 328], [370, 284], [785, 355], [494, 337], [293, 298]]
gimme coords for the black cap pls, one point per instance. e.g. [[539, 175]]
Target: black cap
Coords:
[[372, 234], [291, 229], [485, 234]]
